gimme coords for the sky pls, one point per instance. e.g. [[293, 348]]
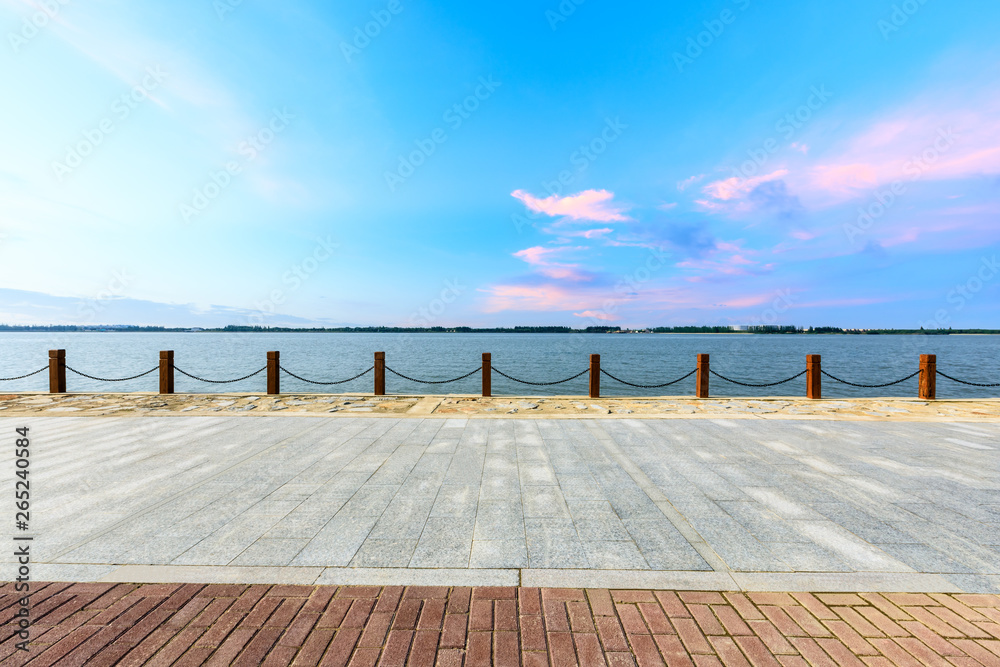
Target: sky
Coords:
[[576, 163]]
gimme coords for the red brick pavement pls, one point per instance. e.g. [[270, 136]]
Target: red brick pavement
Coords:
[[197, 624]]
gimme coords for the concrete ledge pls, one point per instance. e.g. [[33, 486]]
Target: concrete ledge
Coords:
[[845, 582], [838, 582], [207, 574], [378, 576], [638, 579]]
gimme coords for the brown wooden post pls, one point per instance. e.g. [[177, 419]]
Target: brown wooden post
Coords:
[[701, 377], [928, 377], [166, 371], [814, 376], [274, 372], [487, 378], [57, 371], [380, 373], [595, 376]]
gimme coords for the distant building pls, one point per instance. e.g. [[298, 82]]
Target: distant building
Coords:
[[738, 327]]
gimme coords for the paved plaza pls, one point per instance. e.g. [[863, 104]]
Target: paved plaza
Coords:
[[702, 504]]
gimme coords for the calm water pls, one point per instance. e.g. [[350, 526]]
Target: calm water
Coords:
[[643, 359]]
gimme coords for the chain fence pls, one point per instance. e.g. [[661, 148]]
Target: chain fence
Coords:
[[21, 377], [971, 384], [406, 377], [512, 378], [92, 377], [872, 386], [748, 384], [299, 377], [245, 377], [539, 384], [648, 386]]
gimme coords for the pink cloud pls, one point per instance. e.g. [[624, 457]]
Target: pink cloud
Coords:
[[596, 315], [738, 188], [832, 303], [536, 256], [548, 297], [578, 233], [845, 177], [929, 139], [749, 301], [540, 257], [688, 182], [594, 205]]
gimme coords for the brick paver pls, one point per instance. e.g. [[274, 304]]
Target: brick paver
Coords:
[[193, 624]]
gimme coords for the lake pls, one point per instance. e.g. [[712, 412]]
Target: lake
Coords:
[[638, 358]]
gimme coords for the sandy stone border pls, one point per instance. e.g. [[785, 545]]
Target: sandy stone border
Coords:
[[150, 404]]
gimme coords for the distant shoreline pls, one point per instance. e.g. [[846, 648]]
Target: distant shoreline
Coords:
[[784, 330]]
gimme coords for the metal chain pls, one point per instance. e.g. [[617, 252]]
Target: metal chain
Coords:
[[195, 377], [649, 386], [767, 384], [297, 377], [871, 386], [539, 384], [971, 384], [91, 377], [21, 377], [432, 381]]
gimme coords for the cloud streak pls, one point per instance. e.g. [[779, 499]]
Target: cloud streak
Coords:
[[593, 205]]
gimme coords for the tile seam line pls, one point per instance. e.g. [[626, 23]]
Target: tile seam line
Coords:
[[182, 492], [694, 538], [342, 444]]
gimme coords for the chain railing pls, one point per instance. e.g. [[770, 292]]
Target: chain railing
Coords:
[[971, 384], [814, 373], [648, 386], [767, 384], [92, 377], [873, 386], [26, 375], [540, 384], [199, 379], [406, 377], [335, 382]]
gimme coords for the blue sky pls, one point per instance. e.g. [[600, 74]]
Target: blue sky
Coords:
[[729, 162]]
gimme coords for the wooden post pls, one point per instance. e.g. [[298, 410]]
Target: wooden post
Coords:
[[57, 371], [487, 379], [274, 372], [814, 376], [166, 371], [380, 373], [595, 376], [701, 377], [928, 377]]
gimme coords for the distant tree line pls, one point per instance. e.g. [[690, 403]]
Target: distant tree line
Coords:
[[235, 328]]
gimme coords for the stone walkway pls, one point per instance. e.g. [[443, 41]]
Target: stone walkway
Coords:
[[683, 504], [194, 624]]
